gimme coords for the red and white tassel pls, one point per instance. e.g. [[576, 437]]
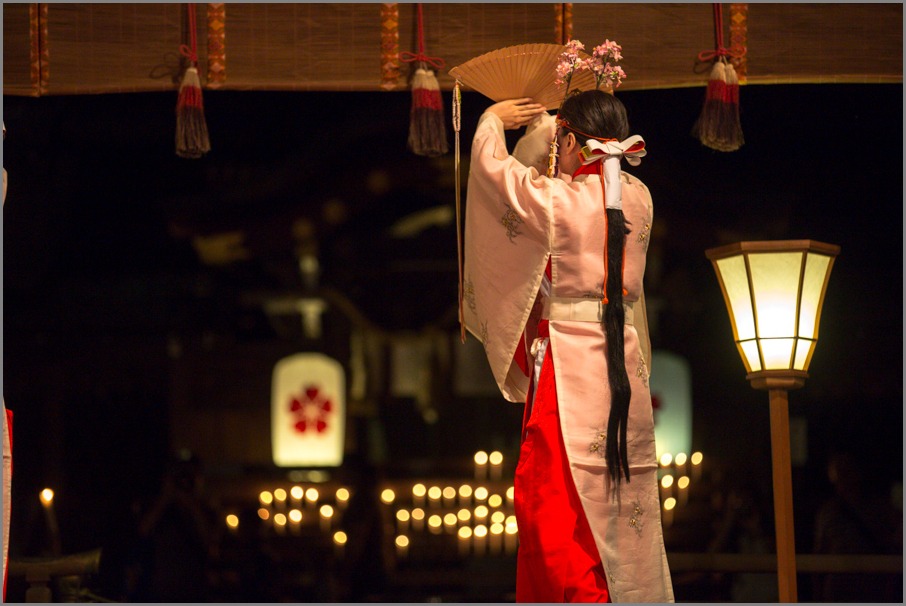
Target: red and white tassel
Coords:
[[191, 128], [708, 126], [427, 127]]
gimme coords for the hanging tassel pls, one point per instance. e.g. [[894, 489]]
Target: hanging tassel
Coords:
[[457, 126], [427, 130], [191, 128], [718, 125], [708, 126]]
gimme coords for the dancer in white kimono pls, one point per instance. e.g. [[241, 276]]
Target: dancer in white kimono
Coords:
[[553, 289]]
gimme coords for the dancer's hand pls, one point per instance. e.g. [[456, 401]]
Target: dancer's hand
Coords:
[[516, 113]]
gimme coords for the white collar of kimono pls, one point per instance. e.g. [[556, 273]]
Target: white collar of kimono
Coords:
[[610, 152]]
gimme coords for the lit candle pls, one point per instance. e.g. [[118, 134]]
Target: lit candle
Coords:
[[342, 498], [511, 495], [418, 495], [682, 486], [669, 505], [680, 464], [449, 494], [666, 459], [481, 513], [326, 517], [464, 539], [495, 501], [402, 546], [465, 495], [311, 498], [498, 517], [696, 460], [418, 519], [296, 493], [280, 499], [481, 494], [666, 487], [480, 539], [266, 499], [434, 524], [481, 465], [450, 523], [464, 515], [280, 522], [511, 537], [495, 459], [434, 494], [388, 496], [295, 521], [495, 544], [402, 521], [339, 543], [232, 522]]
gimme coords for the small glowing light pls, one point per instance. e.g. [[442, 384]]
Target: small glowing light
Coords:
[[388, 496], [280, 519], [481, 512], [511, 493], [481, 493], [495, 500], [450, 519], [435, 521], [419, 490], [295, 516], [510, 520], [464, 515], [264, 514], [449, 492], [402, 515], [402, 541], [511, 527], [280, 495], [311, 495], [418, 514], [666, 459], [481, 458], [266, 497], [232, 521], [683, 482], [481, 531], [495, 458], [696, 458], [667, 481], [498, 517], [465, 532], [496, 529], [296, 492], [342, 495], [326, 511], [46, 496], [669, 503], [434, 493], [465, 491], [339, 537], [681, 458]]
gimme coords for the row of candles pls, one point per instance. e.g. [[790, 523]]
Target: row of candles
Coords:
[[481, 521], [675, 480]]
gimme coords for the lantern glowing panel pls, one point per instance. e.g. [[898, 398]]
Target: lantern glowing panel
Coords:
[[774, 292]]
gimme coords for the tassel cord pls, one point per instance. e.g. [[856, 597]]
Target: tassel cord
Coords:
[[436, 62], [191, 51], [457, 124], [720, 51]]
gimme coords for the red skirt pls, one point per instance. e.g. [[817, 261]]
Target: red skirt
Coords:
[[557, 559]]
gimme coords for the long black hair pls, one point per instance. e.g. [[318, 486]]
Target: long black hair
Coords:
[[603, 116]]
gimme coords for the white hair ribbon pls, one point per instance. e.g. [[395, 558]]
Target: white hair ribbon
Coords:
[[610, 152]]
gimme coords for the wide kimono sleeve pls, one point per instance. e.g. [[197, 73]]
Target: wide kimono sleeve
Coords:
[[507, 242]]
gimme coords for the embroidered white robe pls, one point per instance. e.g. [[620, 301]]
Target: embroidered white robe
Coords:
[[516, 220]]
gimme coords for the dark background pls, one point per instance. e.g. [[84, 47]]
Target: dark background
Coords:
[[101, 278]]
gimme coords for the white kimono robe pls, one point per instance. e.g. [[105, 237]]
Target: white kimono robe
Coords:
[[515, 221]]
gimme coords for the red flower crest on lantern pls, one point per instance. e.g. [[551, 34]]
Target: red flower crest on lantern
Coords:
[[311, 410]]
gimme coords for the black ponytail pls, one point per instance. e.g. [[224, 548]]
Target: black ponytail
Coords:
[[614, 319]]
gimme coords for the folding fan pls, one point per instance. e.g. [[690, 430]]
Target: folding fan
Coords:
[[524, 70]]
